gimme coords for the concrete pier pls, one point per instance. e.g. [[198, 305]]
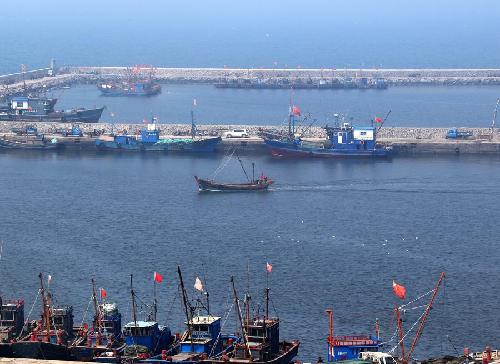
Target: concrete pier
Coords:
[[405, 141]]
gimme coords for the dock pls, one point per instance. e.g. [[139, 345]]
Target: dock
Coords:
[[405, 141]]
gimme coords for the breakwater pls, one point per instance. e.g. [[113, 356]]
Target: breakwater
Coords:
[[272, 78], [406, 141]]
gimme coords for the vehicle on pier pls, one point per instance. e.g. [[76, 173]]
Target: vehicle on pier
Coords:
[[344, 141], [136, 84], [47, 338], [31, 109], [455, 133], [11, 324]]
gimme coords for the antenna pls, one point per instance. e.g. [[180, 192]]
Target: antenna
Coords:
[[134, 308]]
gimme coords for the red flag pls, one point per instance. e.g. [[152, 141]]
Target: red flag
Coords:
[[399, 290], [269, 268], [378, 119], [295, 110], [103, 293], [145, 121], [157, 277]]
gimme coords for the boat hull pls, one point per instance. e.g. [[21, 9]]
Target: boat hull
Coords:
[[290, 351], [28, 144], [40, 350], [5, 350], [289, 150], [211, 186], [170, 146], [79, 115]]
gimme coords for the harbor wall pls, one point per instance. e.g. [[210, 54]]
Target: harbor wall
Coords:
[[38, 79], [406, 141]]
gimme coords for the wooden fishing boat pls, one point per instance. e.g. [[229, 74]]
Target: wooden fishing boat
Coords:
[[261, 184]]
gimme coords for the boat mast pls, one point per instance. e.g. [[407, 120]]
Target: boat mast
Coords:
[[96, 307], [193, 125], [155, 302], [187, 309], [329, 312], [493, 122], [46, 308], [253, 172], [238, 310], [134, 308]]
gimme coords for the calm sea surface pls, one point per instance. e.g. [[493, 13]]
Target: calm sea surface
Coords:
[[470, 106], [336, 233]]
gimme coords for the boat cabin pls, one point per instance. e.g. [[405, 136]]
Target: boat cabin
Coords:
[[263, 340], [111, 321], [11, 319], [348, 137], [151, 134], [62, 319], [203, 335], [148, 334], [352, 347], [21, 105]]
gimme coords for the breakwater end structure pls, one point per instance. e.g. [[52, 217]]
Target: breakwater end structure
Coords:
[[404, 140], [34, 81]]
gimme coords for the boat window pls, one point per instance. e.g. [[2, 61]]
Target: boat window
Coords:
[[363, 133], [390, 360], [7, 316]]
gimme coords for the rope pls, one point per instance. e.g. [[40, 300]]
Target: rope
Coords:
[[85, 313], [220, 332], [416, 299], [411, 329], [29, 314], [225, 161]]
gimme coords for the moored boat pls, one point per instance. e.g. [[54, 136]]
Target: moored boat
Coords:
[[11, 324], [47, 338], [31, 109], [261, 342], [30, 142], [344, 141]]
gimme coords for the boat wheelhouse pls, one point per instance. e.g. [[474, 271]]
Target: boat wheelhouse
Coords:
[[351, 347]]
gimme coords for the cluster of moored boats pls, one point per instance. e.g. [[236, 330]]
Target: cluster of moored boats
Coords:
[[55, 337]]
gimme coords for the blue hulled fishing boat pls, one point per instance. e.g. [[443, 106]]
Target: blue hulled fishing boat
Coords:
[[30, 109], [150, 140], [344, 141]]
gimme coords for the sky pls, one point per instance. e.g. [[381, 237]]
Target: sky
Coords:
[[257, 33]]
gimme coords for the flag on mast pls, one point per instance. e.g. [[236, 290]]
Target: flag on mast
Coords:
[[103, 293], [49, 279], [158, 278], [194, 102], [399, 290], [198, 285], [269, 267]]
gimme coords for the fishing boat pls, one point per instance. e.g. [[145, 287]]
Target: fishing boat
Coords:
[[202, 339], [255, 184], [343, 141], [31, 109], [47, 338], [260, 184], [104, 335], [261, 342], [143, 338], [136, 84], [150, 140], [29, 142], [11, 324]]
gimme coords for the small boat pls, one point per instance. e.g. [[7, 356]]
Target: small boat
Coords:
[[260, 184], [30, 142], [11, 324], [48, 338]]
